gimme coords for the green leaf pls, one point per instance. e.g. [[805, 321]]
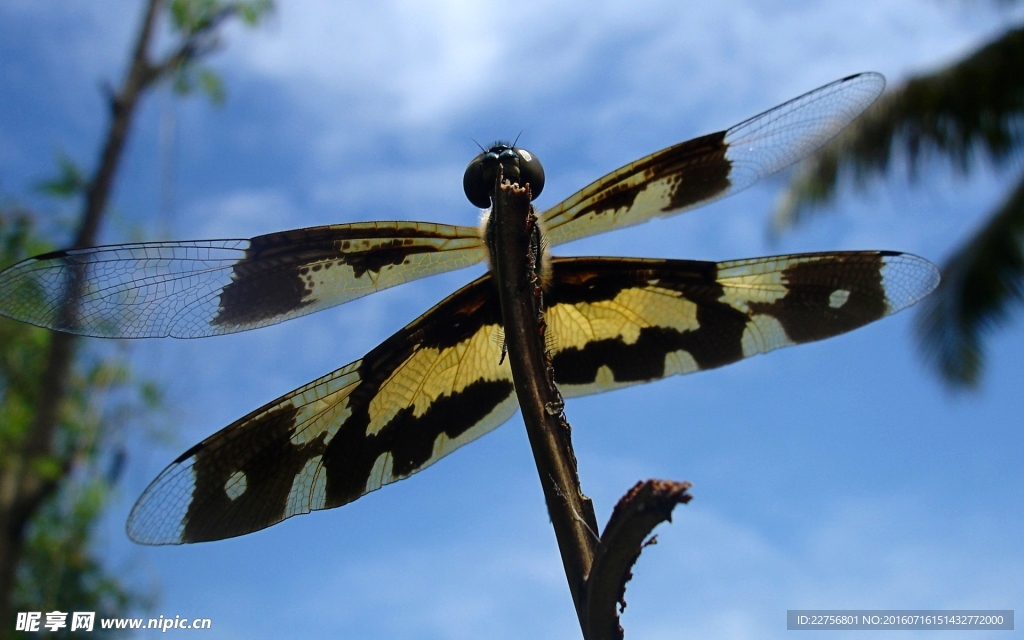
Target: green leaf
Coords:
[[47, 467], [252, 12], [211, 85], [69, 182], [191, 77], [152, 395], [189, 16], [192, 16]]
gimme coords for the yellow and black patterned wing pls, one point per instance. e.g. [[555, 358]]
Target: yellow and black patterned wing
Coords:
[[425, 391], [618, 321], [698, 171], [437, 384], [209, 287]]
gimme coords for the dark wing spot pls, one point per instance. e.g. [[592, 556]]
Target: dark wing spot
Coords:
[[269, 476], [696, 170], [717, 341], [410, 440], [268, 282], [257, 294], [805, 312]]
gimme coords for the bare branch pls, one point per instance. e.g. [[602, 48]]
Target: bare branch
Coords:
[[644, 507], [516, 254], [197, 44]]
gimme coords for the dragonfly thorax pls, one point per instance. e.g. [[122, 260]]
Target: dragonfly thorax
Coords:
[[518, 166]]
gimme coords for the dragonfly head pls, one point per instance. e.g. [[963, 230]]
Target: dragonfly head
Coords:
[[518, 165]]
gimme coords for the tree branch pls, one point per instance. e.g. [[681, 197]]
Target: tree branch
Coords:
[[644, 507], [197, 44], [516, 254], [597, 569]]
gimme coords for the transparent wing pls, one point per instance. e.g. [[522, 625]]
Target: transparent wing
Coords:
[[209, 287], [701, 170]]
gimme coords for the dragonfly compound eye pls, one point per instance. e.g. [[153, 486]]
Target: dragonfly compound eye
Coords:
[[530, 172], [518, 165]]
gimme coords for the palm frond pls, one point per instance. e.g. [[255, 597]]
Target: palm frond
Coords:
[[980, 283], [972, 107]]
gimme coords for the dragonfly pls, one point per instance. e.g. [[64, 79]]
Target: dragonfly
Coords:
[[442, 381]]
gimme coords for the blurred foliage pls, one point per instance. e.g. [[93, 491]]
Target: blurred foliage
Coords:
[[194, 16], [59, 569], [981, 282], [69, 182], [58, 572], [206, 80], [196, 21], [970, 111], [21, 345]]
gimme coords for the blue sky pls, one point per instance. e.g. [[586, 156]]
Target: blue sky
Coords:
[[833, 475]]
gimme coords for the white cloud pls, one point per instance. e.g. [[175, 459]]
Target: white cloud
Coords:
[[240, 214], [409, 63], [411, 60]]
